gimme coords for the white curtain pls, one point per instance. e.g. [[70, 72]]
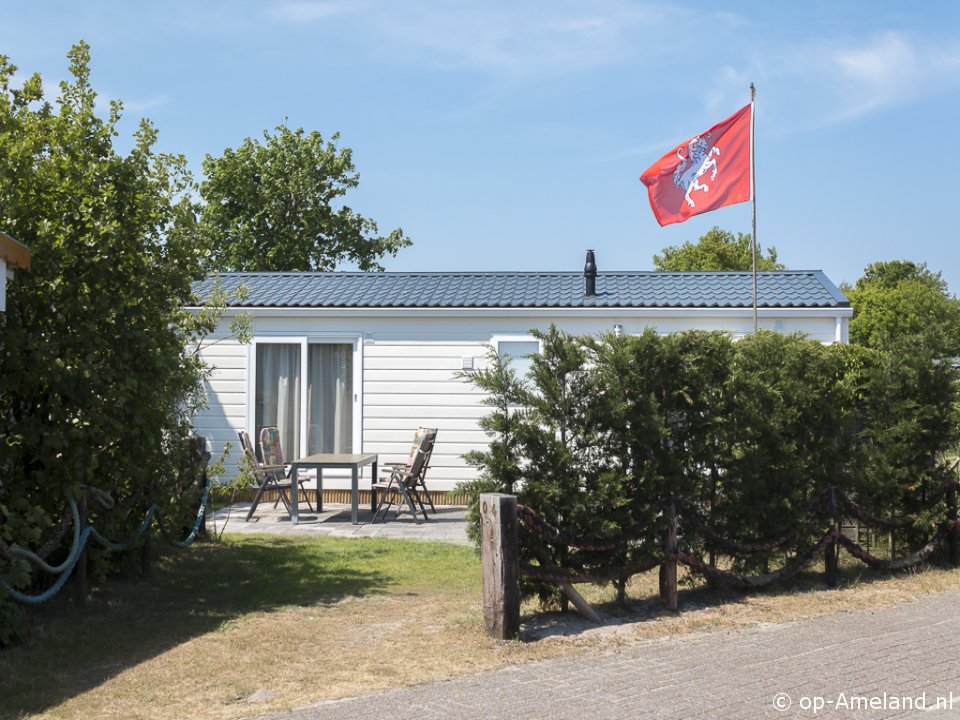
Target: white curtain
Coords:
[[278, 394], [330, 398]]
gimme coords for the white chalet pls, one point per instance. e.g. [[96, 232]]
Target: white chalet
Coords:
[[356, 362]]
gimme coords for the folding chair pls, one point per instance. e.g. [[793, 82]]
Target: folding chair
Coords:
[[401, 488], [424, 440], [268, 477], [272, 454]]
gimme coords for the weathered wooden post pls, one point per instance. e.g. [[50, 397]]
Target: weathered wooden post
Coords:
[[830, 556], [80, 569], [953, 538], [203, 455], [147, 550], [668, 569], [500, 556]]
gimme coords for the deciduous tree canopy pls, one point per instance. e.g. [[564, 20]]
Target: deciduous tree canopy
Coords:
[[716, 250], [272, 205], [899, 299]]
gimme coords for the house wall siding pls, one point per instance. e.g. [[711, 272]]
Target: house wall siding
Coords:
[[226, 388], [409, 372]]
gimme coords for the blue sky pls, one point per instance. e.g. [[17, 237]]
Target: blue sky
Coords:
[[511, 135]]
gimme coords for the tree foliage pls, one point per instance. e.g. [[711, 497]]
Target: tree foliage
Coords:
[[897, 300], [94, 382], [716, 250], [271, 205]]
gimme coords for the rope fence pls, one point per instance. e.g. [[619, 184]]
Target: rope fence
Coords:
[[534, 522], [83, 532], [646, 549]]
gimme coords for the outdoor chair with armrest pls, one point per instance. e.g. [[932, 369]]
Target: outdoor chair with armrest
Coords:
[[424, 439], [272, 454], [401, 487], [268, 477]]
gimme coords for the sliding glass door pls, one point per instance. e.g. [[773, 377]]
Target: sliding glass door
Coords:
[[314, 412], [278, 394], [329, 398]]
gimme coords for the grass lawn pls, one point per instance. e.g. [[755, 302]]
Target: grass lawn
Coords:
[[259, 624], [303, 618]]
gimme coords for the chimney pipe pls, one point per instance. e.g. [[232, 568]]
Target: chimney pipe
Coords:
[[590, 276]]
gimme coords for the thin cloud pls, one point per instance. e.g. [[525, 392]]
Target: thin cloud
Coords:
[[138, 107], [652, 151], [307, 12], [891, 70], [821, 84], [527, 40]]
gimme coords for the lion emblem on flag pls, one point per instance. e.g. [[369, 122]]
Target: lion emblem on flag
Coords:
[[699, 158]]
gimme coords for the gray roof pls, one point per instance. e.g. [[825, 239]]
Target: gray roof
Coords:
[[779, 289]]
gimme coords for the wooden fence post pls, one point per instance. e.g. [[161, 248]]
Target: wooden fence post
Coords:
[[500, 557], [668, 569], [80, 569], [830, 556], [953, 539], [147, 550]]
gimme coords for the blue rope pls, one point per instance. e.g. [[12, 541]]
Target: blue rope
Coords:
[[199, 519], [80, 539], [60, 582], [74, 550]]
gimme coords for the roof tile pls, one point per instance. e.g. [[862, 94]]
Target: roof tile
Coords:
[[788, 288]]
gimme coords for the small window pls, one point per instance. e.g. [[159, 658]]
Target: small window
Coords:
[[518, 355]]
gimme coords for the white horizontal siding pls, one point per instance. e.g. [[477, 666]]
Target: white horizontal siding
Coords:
[[438, 399], [444, 386], [393, 413], [226, 410], [402, 363], [404, 437], [225, 355], [433, 351], [375, 425], [232, 374], [407, 385], [395, 375]]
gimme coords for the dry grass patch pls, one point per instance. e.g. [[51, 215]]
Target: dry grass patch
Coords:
[[258, 625], [705, 609]]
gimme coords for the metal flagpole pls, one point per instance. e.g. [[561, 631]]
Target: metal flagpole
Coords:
[[753, 195]]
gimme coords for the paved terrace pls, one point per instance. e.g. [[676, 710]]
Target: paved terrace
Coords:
[[446, 525]]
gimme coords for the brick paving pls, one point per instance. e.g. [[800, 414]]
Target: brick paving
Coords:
[[882, 663]]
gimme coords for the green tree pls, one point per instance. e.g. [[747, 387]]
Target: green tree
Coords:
[[748, 435], [900, 299], [271, 206], [716, 250], [891, 273], [94, 380]]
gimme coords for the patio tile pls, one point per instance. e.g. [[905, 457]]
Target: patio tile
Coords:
[[448, 524]]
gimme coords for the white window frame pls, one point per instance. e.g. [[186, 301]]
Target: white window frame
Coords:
[[304, 341], [495, 341]]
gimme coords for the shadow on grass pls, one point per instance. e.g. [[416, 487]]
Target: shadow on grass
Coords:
[[644, 605], [206, 588]]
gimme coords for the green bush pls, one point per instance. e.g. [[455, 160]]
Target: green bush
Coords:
[[95, 386], [749, 433]]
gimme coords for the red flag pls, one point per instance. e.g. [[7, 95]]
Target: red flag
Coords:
[[704, 173]]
